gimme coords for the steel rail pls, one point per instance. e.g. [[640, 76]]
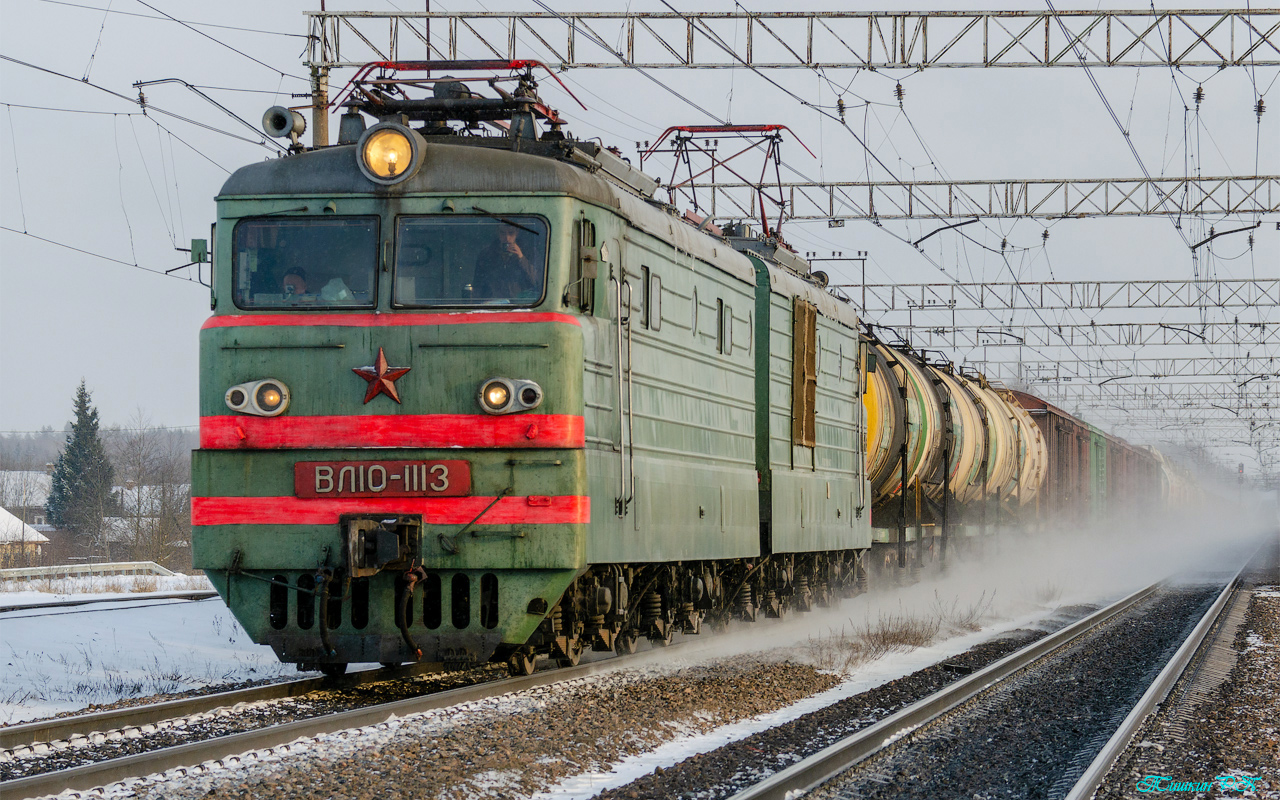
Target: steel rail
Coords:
[[1155, 694], [102, 773], [195, 594], [822, 766], [63, 728]]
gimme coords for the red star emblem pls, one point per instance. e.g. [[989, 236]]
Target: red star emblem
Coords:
[[381, 378]]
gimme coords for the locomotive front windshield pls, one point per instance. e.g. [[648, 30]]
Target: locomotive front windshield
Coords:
[[291, 262], [470, 261]]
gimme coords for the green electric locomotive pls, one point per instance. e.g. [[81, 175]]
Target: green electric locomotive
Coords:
[[469, 397]]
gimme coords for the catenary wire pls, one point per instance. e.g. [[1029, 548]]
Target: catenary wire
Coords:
[[110, 10], [97, 255]]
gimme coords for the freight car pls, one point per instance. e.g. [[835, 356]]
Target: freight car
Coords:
[[473, 396]]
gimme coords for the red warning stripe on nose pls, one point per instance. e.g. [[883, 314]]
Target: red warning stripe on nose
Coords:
[[560, 510], [364, 320], [392, 430]]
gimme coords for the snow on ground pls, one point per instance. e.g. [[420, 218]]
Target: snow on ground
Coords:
[[57, 660]]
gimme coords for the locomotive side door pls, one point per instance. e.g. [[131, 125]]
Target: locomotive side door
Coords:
[[623, 295], [597, 288]]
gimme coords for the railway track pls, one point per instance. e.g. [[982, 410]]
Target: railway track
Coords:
[[84, 726], [942, 705], [101, 773], [897, 755]]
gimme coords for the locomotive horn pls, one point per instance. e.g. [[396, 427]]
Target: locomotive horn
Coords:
[[280, 122]]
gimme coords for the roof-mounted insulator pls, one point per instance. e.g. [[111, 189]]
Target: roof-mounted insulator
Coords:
[[899, 93], [1199, 95]]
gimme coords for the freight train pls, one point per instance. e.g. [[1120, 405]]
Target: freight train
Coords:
[[471, 397]]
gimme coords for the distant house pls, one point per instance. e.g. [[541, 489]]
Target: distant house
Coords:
[[154, 523], [148, 523], [20, 544], [25, 492]]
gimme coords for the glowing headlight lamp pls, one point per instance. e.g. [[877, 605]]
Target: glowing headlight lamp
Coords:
[[507, 396], [389, 153], [265, 398]]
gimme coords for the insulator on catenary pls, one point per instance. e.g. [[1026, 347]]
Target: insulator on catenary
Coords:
[[1044, 235], [1259, 108], [899, 92], [1199, 95]]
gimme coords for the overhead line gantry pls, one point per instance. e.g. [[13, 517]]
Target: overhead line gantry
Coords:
[[808, 40], [1077, 334], [1083, 295], [1041, 198]]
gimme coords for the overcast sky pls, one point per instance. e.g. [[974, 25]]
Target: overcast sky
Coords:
[[130, 188]]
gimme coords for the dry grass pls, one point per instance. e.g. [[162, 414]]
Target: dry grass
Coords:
[[1047, 593], [145, 583], [896, 632]]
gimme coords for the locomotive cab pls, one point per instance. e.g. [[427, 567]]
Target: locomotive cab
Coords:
[[411, 484]]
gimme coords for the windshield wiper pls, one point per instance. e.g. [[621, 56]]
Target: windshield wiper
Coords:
[[510, 222]]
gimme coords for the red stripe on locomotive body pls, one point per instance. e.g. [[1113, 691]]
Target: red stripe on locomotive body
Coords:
[[397, 320], [561, 510], [393, 430]]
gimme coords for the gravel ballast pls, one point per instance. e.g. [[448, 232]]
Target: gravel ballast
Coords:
[[1233, 731], [729, 769], [1033, 737], [224, 722], [516, 744]]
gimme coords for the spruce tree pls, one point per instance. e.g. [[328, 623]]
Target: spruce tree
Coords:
[[80, 495]]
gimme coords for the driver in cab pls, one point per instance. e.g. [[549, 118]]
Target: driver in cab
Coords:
[[502, 270]]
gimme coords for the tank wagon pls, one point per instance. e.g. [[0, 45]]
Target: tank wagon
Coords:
[[969, 456], [469, 397], [976, 457]]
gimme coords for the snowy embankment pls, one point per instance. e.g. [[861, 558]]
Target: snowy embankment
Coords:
[[59, 660]]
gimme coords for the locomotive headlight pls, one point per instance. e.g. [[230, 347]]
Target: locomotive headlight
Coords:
[[264, 398], [496, 395], [237, 398], [507, 396], [389, 153], [269, 397]]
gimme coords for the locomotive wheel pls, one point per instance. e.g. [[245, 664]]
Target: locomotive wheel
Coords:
[[574, 654], [333, 670], [521, 664], [624, 644], [663, 640]]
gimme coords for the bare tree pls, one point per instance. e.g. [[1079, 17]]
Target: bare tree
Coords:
[[153, 465]]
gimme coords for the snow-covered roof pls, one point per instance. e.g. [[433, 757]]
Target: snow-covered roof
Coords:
[[24, 488], [147, 498], [122, 529], [13, 529]]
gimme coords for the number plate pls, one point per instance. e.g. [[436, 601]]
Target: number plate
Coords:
[[381, 478]]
